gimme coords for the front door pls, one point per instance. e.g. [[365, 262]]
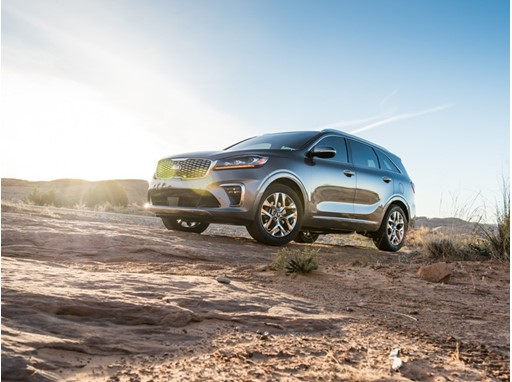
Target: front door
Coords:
[[333, 188]]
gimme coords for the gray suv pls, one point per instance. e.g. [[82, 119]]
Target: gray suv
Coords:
[[288, 186]]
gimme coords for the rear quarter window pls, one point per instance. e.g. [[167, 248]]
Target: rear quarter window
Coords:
[[386, 163]]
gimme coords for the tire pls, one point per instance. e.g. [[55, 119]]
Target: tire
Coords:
[[176, 224], [307, 237], [278, 217], [392, 232]]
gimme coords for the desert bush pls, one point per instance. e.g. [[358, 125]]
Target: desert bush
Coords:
[[443, 249], [106, 193], [418, 237], [296, 260], [458, 248], [497, 237], [42, 198], [478, 249]]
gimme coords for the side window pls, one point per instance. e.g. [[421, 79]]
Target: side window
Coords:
[[386, 163], [363, 155], [339, 144]]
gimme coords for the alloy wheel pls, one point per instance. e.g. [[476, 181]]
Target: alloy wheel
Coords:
[[278, 214], [396, 228]]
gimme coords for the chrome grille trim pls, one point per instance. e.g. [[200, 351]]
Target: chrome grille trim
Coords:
[[183, 168]]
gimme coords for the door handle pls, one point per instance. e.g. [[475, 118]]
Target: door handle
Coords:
[[349, 173], [386, 179]]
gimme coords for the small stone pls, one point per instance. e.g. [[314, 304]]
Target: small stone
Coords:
[[435, 273], [223, 280], [395, 353], [397, 364]]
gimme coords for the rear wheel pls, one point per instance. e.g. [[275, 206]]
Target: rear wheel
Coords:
[[278, 217], [391, 235], [184, 225], [307, 237]]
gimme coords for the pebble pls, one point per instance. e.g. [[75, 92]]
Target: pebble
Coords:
[[223, 280]]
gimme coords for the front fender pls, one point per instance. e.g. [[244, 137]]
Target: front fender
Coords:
[[284, 177]]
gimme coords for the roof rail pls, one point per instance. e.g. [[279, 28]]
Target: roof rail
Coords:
[[332, 131]]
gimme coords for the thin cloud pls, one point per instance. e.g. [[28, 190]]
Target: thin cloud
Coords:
[[386, 98], [400, 117], [353, 122]]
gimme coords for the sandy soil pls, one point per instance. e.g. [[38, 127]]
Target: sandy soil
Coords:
[[89, 296]]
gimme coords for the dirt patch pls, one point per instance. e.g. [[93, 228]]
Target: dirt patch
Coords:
[[112, 297]]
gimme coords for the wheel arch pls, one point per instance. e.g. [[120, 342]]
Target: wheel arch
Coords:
[[288, 180], [400, 203]]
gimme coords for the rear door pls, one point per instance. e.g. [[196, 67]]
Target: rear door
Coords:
[[374, 186]]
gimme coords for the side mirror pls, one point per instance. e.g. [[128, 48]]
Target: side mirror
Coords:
[[324, 152]]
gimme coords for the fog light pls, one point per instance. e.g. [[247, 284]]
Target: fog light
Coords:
[[234, 193]]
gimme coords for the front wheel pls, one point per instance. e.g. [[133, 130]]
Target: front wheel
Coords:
[[278, 217], [391, 235], [184, 225]]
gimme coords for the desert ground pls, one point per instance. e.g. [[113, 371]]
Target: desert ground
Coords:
[[90, 295]]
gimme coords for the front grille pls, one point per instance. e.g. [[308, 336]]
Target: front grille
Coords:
[[182, 168]]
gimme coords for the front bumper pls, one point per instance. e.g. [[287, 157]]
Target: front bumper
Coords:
[[221, 197]]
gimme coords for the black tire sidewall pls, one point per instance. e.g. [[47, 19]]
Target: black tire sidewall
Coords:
[[381, 240]]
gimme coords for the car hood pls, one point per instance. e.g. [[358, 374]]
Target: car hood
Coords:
[[222, 154]]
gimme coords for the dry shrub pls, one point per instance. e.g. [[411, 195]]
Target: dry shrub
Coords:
[[106, 193], [442, 249], [43, 198], [296, 260], [418, 237], [498, 237], [481, 242], [458, 248]]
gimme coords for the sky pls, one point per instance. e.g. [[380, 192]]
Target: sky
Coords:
[[102, 89]]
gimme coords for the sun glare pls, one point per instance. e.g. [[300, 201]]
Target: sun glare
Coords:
[[57, 128]]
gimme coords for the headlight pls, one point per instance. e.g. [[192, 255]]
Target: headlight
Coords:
[[250, 161]]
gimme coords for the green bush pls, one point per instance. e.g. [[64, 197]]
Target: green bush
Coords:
[[106, 192], [296, 261]]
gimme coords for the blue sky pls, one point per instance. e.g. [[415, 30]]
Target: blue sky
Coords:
[[103, 89]]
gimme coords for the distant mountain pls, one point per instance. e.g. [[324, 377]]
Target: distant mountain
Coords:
[[448, 225]]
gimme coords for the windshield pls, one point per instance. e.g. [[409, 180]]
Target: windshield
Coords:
[[280, 141]]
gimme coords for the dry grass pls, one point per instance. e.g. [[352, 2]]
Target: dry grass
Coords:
[[467, 238], [498, 237]]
